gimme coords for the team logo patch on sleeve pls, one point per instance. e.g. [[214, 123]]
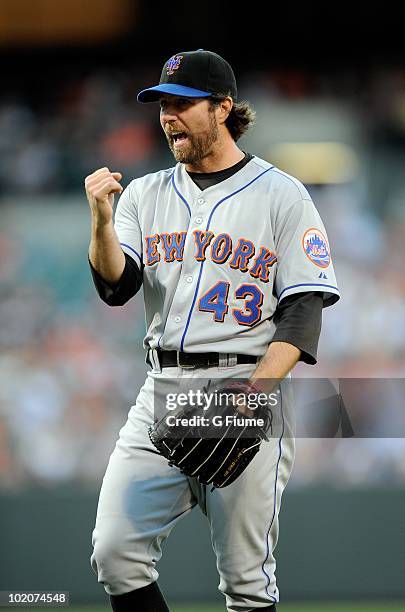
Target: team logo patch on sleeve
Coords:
[[316, 247]]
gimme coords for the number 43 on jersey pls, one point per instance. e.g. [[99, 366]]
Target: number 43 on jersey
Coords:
[[215, 300]]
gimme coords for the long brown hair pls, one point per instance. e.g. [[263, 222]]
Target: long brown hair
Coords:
[[239, 120]]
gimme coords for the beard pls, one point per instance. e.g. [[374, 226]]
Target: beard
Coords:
[[198, 145]]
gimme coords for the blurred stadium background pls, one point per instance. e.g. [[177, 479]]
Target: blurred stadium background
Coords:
[[330, 102]]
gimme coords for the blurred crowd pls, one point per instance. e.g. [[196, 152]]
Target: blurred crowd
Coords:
[[70, 367], [49, 147]]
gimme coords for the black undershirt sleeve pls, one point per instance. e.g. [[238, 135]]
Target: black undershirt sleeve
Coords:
[[117, 294], [298, 318]]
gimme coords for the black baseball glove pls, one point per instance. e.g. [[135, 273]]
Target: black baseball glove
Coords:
[[216, 442]]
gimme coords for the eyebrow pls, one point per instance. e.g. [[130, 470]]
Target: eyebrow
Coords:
[[176, 98]]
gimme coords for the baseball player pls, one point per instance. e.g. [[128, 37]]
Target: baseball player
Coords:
[[236, 268]]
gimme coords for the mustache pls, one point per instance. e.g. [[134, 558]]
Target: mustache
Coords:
[[169, 132]]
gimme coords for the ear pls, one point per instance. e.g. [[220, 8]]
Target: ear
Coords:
[[224, 108]]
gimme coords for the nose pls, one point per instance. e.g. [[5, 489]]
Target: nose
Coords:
[[168, 113]]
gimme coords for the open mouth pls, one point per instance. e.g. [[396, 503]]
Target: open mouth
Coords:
[[179, 138]]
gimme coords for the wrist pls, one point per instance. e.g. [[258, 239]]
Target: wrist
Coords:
[[263, 385], [101, 226]]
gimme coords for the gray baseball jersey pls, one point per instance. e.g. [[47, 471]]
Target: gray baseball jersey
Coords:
[[217, 262]]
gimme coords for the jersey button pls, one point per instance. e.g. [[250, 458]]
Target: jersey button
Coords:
[[198, 220], [177, 319], [201, 201], [189, 279]]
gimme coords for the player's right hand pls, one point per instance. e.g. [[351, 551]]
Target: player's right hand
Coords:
[[100, 189]]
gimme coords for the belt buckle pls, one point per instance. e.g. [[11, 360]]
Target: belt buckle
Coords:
[[184, 366]]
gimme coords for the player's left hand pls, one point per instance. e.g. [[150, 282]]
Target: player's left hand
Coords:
[[218, 449]]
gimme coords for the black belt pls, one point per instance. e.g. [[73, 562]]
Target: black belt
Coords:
[[169, 359]]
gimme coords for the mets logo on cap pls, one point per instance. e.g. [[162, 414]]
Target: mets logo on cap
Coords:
[[173, 63], [316, 247]]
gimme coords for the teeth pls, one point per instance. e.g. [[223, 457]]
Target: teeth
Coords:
[[176, 135]]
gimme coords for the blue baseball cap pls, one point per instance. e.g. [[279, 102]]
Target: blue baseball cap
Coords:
[[193, 74]]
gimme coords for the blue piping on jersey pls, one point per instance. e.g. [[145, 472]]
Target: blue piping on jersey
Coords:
[[274, 505], [308, 285], [202, 263], [136, 252], [180, 196]]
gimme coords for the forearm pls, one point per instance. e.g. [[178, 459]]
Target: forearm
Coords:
[[279, 360], [105, 252]]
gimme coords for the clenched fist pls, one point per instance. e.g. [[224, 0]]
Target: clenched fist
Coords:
[[100, 189]]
